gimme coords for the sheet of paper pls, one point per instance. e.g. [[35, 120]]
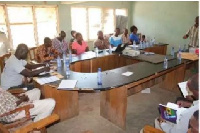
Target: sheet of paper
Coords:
[[183, 88], [172, 105], [127, 73], [147, 90], [45, 80], [67, 84], [43, 73], [114, 48]]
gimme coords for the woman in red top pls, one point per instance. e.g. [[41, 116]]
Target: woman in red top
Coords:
[[79, 46]]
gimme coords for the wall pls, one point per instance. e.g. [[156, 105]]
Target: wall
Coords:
[[166, 21], [65, 15], [64, 11]]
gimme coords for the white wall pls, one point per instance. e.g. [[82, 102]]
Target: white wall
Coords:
[[166, 21]]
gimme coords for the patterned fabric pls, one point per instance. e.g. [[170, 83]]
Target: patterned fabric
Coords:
[[8, 103], [44, 54], [60, 46], [102, 44], [193, 33]]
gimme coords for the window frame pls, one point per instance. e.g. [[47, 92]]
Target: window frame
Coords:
[[102, 17], [34, 22]]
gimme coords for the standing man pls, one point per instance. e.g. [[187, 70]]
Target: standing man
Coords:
[[101, 42], [193, 33], [116, 39]]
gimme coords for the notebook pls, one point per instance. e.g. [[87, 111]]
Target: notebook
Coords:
[[171, 112], [67, 84], [168, 114]]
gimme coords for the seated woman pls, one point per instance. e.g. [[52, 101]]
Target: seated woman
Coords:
[[59, 43], [46, 52], [133, 35], [79, 46], [125, 37]]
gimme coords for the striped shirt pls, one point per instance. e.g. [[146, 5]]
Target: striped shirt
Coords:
[[60, 46], [193, 33]]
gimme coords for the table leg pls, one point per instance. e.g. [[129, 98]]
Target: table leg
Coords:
[[66, 101], [113, 106]]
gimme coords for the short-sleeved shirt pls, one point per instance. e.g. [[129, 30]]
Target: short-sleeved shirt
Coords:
[[134, 37], [60, 46], [79, 48], [11, 73], [115, 41], [193, 33], [102, 44]]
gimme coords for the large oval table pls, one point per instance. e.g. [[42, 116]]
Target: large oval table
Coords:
[[147, 71]]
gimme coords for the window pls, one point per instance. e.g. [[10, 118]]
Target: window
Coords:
[[28, 24], [21, 26], [46, 23], [89, 20], [2, 20]]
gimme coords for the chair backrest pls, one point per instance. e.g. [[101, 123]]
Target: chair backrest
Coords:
[[3, 58], [32, 53], [150, 129]]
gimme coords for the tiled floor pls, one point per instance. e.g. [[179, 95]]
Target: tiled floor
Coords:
[[141, 110]]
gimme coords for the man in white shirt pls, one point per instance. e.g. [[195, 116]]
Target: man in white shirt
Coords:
[[182, 124], [16, 68]]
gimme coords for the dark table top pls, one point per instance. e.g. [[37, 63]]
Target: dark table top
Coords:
[[113, 78]]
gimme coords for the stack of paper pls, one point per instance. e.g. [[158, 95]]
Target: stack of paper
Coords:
[[67, 84], [45, 80], [189, 56], [183, 88], [147, 90]]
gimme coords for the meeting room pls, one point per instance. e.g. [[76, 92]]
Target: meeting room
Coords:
[[99, 66]]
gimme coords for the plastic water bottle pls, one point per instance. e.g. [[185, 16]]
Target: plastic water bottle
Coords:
[[165, 65], [59, 62], [153, 41], [67, 67], [179, 55], [184, 49], [141, 46], [134, 45], [172, 52], [70, 56], [99, 77], [110, 49], [64, 57], [96, 51]]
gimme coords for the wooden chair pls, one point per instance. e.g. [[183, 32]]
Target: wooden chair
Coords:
[[25, 124], [150, 129], [3, 58], [32, 53]]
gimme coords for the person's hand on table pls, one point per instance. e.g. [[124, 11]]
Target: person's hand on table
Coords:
[[24, 98], [184, 104], [189, 97], [47, 69]]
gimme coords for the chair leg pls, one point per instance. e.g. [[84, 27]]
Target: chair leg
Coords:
[[43, 130]]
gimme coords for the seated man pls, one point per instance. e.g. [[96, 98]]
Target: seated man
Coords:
[[41, 109], [60, 44], [46, 52], [194, 123], [188, 101], [115, 40], [182, 125], [101, 42], [16, 68]]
